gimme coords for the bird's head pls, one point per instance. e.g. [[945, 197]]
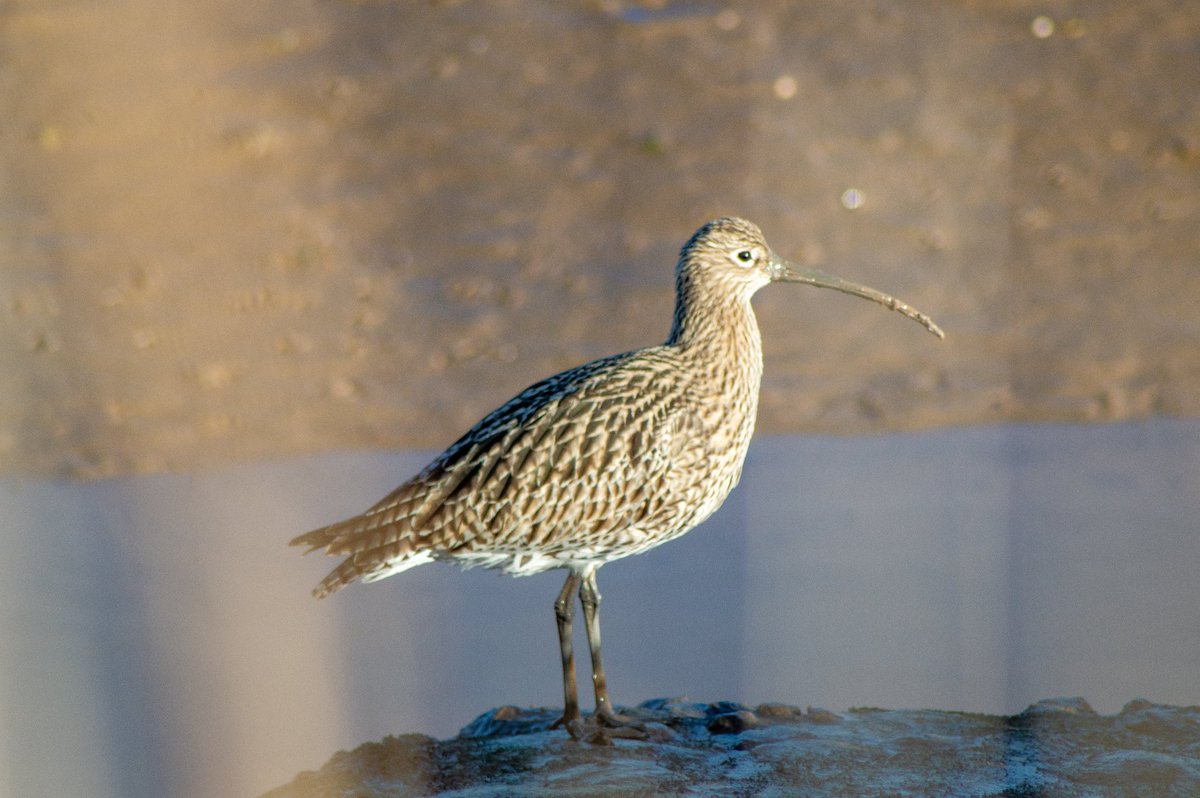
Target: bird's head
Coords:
[[729, 257]]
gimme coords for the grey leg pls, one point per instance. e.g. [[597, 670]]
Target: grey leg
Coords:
[[564, 614], [589, 597]]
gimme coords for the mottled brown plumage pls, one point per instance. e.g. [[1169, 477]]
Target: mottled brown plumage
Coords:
[[599, 462]]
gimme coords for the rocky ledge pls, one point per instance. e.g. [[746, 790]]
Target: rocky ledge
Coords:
[[1055, 748]]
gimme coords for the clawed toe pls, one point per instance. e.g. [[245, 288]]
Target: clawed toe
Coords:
[[574, 726], [615, 721], [601, 728]]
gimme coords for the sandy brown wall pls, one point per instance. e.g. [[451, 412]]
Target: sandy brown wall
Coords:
[[233, 230]]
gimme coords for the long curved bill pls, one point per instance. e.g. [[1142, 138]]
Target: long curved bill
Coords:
[[789, 272]]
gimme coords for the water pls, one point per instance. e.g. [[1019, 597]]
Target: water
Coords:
[[158, 637]]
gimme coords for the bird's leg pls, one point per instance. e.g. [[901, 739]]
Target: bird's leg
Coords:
[[564, 614], [589, 597]]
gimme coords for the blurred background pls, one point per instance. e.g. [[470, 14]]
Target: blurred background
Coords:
[[259, 261]]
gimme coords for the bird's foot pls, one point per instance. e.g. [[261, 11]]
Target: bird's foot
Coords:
[[573, 723], [604, 725], [614, 720]]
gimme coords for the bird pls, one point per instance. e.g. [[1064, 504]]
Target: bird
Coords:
[[599, 462]]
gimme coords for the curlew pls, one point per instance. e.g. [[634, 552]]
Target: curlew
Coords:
[[599, 462]]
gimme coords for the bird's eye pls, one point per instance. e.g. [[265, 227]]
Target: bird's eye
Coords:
[[745, 256]]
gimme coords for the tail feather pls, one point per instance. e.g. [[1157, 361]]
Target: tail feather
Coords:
[[370, 566], [352, 536], [316, 539], [372, 552], [380, 542], [338, 578]]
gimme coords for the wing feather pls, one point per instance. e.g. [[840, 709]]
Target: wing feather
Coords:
[[553, 467]]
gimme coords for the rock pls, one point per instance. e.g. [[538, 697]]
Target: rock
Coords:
[[1058, 747]]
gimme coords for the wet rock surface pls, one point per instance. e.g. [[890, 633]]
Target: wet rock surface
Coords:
[[1055, 748]]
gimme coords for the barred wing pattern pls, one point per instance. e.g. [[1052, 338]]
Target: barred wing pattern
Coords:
[[595, 463]]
